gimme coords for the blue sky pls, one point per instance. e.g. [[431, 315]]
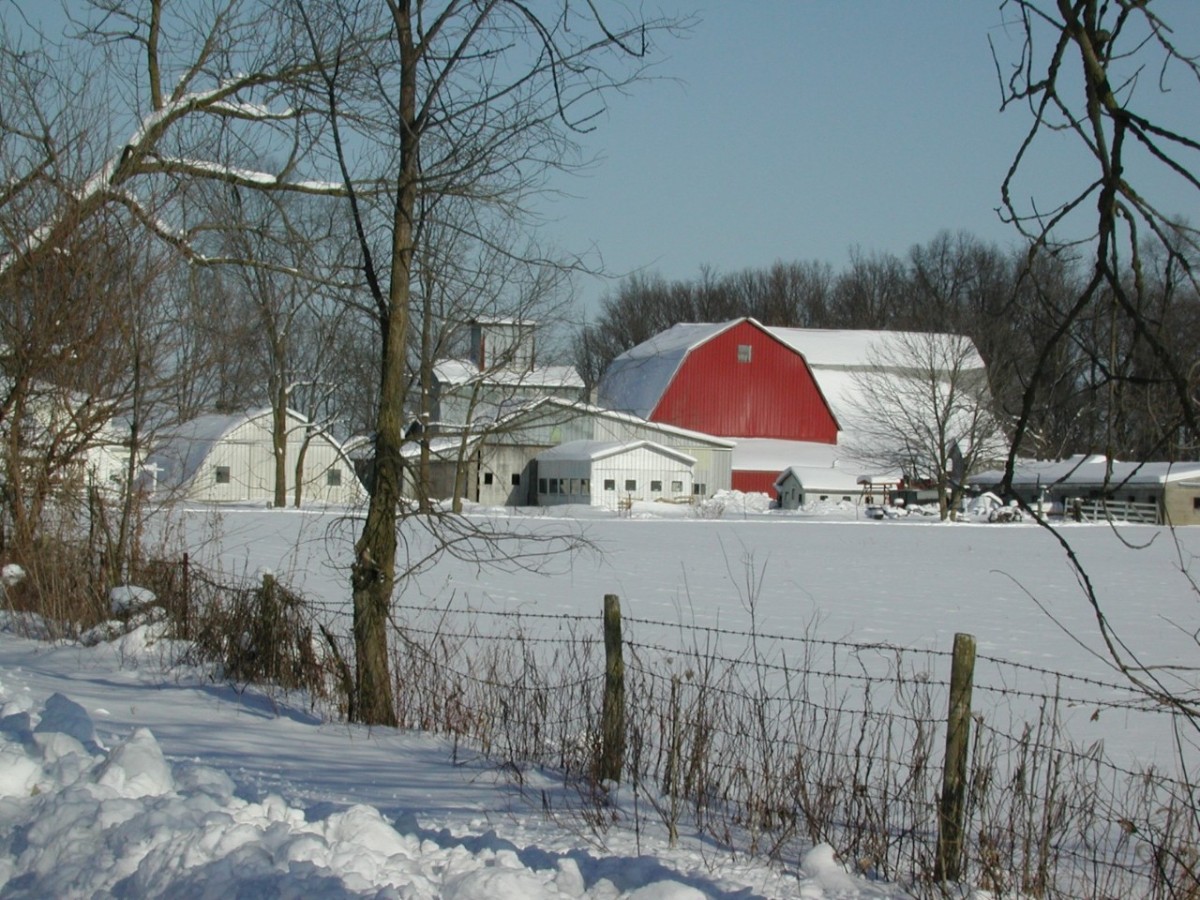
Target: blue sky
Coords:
[[789, 130]]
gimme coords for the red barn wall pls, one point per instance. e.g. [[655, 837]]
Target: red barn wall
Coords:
[[771, 396], [751, 482]]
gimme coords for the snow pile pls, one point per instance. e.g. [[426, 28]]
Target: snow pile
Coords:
[[83, 821], [113, 812], [733, 503]]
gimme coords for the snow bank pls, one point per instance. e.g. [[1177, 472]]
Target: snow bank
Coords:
[[78, 819]]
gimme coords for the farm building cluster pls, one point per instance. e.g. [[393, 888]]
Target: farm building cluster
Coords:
[[803, 415]]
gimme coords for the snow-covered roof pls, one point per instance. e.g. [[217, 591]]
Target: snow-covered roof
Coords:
[[593, 451], [183, 449], [1090, 471], [579, 407], [637, 379], [460, 371], [821, 478], [860, 348], [831, 466]]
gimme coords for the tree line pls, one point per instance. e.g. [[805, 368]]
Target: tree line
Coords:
[[1103, 386]]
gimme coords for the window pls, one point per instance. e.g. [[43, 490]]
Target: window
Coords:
[[610, 484], [656, 487], [699, 489], [677, 487], [631, 484], [487, 478], [516, 479], [222, 474], [553, 485], [744, 351], [333, 478], [584, 486], [572, 488], [541, 485], [1196, 503]]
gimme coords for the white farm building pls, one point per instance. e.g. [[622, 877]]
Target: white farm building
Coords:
[[230, 458], [608, 473]]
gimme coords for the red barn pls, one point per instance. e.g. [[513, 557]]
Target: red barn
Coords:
[[733, 379]]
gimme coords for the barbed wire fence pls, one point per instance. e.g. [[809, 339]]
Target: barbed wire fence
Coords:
[[770, 743]]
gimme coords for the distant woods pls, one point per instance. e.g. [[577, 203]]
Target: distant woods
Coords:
[[1102, 386]]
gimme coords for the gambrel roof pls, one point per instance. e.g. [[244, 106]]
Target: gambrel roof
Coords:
[[636, 380]]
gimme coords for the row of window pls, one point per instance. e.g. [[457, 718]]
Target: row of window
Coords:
[[333, 477], [489, 478], [581, 486]]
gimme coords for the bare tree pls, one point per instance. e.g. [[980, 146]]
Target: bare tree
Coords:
[[476, 101], [1095, 70], [1123, 81], [924, 408]]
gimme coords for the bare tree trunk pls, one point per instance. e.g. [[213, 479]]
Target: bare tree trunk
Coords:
[[298, 485], [279, 441], [374, 571]]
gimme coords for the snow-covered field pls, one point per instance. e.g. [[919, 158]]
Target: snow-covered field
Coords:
[[122, 777]]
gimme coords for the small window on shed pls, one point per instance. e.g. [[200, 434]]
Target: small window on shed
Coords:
[[656, 487], [541, 485], [488, 478], [333, 478], [516, 479], [222, 474], [1196, 503], [610, 484], [744, 353], [677, 487], [553, 485], [699, 489], [585, 486], [631, 484]]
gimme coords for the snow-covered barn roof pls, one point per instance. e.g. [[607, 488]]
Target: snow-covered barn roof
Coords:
[[580, 408], [594, 451], [637, 379], [1089, 471], [832, 348], [458, 372]]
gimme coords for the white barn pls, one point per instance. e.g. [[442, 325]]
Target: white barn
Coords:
[[607, 473], [230, 458]]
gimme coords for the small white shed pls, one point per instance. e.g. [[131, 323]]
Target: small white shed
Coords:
[[230, 458], [605, 473]]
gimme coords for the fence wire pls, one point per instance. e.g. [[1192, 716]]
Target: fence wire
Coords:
[[770, 743]]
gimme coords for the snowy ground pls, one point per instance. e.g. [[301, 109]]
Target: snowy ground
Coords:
[[122, 777]]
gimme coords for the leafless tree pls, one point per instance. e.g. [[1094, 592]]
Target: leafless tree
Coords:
[[924, 408], [1123, 81], [474, 101]]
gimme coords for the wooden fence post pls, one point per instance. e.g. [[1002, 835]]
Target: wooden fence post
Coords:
[[612, 716], [952, 809], [187, 601]]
